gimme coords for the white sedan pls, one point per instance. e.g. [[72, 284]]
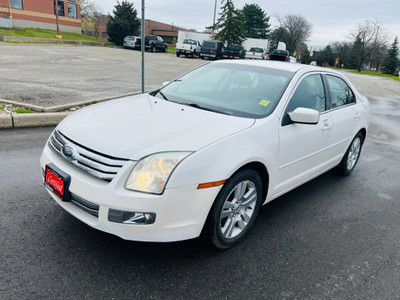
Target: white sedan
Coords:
[[205, 151]]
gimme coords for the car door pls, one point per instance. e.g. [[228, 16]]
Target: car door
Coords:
[[304, 149], [346, 114]]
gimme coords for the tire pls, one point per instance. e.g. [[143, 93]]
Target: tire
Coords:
[[153, 49], [230, 218], [202, 57], [177, 54], [350, 158], [166, 49]]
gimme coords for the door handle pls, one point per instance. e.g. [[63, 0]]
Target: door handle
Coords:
[[357, 116], [326, 125]]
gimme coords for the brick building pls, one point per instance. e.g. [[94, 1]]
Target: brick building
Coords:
[[166, 31], [96, 27], [41, 14]]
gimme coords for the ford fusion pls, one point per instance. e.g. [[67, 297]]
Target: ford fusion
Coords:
[[202, 154]]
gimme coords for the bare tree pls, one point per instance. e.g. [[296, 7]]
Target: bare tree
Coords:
[[295, 29], [369, 43], [91, 17]]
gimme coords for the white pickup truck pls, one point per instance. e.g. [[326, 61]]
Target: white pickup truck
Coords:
[[189, 47]]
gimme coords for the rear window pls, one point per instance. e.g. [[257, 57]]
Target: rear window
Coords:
[[256, 50], [210, 45], [280, 52], [191, 42], [129, 38], [234, 47]]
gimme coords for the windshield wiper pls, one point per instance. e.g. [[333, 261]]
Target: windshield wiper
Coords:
[[205, 108], [161, 93]]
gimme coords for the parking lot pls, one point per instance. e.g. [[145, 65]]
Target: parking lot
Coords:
[[332, 238], [48, 75]]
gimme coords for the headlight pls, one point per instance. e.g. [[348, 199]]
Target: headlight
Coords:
[[152, 172]]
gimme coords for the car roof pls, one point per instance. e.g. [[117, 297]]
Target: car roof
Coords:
[[280, 65]]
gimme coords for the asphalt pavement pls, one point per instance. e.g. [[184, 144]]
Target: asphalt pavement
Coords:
[[332, 238]]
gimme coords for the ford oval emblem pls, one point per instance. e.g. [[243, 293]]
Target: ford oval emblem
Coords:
[[68, 152]]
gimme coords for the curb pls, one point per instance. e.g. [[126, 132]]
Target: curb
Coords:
[[46, 116], [31, 120]]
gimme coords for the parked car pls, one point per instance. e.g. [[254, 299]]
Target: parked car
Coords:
[[280, 55], [155, 43], [212, 50], [256, 53], [132, 42], [189, 47], [252, 132], [234, 51], [313, 63]]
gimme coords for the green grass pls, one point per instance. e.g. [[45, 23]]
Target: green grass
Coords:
[[23, 111], [46, 34], [171, 49], [372, 73], [1, 107], [95, 102]]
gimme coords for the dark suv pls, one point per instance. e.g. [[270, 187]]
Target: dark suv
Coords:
[[212, 49], [234, 51], [154, 43]]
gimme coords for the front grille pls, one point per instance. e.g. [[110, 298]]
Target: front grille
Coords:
[[96, 164], [87, 206]]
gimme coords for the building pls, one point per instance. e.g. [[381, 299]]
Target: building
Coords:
[[41, 14], [167, 31]]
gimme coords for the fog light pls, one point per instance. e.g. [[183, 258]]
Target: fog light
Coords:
[[130, 217]]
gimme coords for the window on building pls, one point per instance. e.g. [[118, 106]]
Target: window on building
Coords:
[[72, 11], [60, 8], [16, 4], [104, 34], [89, 33]]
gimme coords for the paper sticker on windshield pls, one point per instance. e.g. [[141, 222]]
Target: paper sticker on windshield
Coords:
[[264, 102]]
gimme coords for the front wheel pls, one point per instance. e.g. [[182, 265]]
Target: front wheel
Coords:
[[350, 158], [235, 209], [166, 49]]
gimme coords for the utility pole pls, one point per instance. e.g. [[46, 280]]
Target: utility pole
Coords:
[[215, 12], [142, 44], [58, 28]]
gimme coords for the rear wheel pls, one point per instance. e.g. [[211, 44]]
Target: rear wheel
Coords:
[[235, 209], [177, 54], [153, 49], [166, 49], [351, 156]]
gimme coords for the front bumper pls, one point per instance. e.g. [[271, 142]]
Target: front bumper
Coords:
[[180, 212]]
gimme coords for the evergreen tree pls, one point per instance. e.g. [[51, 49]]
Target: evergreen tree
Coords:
[[392, 62], [123, 22], [230, 25], [256, 22]]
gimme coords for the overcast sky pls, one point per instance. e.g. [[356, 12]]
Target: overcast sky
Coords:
[[332, 20]]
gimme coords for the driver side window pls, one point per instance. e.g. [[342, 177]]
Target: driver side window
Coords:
[[310, 93]]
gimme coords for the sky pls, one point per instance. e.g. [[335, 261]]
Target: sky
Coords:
[[332, 20]]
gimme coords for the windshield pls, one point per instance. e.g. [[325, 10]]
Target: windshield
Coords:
[[256, 50], [191, 42], [129, 39], [233, 89]]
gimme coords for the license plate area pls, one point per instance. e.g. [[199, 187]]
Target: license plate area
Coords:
[[57, 181]]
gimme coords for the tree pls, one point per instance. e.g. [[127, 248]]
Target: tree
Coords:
[[91, 17], [230, 24], [256, 22], [123, 22], [293, 30], [392, 62], [328, 55], [363, 37]]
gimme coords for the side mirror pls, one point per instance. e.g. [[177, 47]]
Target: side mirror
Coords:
[[304, 115], [165, 83]]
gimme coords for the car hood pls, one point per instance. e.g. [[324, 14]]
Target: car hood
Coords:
[[136, 126]]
